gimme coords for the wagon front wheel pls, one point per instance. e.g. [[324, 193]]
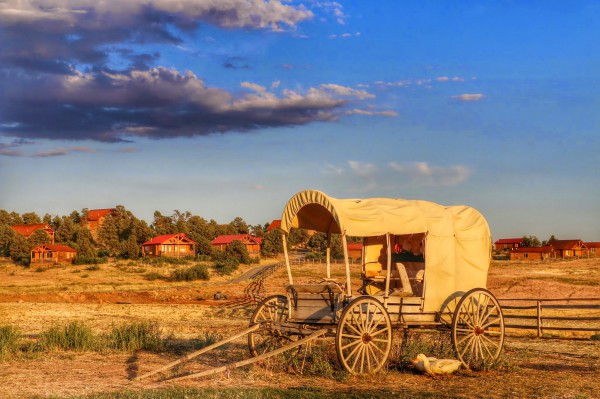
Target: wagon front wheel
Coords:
[[478, 329], [364, 336], [269, 313]]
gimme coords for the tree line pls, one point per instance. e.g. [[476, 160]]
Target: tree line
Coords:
[[122, 234]]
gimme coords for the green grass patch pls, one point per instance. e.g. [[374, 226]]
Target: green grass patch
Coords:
[[135, 336], [9, 341], [73, 336], [197, 272]]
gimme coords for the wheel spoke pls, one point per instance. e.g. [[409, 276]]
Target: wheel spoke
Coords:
[[357, 356], [463, 339], [489, 323], [351, 344], [483, 338], [467, 345], [351, 327], [380, 331]]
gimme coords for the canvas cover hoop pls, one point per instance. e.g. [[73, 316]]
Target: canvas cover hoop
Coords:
[[458, 240]]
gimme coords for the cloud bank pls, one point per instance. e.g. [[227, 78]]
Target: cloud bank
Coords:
[[58, 81]]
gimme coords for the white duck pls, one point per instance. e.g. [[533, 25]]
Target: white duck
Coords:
[[433, 366]]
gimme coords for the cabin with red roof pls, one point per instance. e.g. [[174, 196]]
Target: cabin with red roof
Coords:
[[251, 242], [28, 229], [172, 245], [52, 253], [506, 244], [355, 250], [275, 224], [593, 248], [569, 248], [531, 253], [94, 219]]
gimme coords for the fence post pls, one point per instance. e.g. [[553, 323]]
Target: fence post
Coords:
[[539, 318]]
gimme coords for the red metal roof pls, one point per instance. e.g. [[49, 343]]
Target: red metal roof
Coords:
[[592, 244], [164, 238], [28, 229], [96, 214], [547, 248], [566, 244], [227, 239], [54, 247], [275, 224], [355, 246], [509, 241]]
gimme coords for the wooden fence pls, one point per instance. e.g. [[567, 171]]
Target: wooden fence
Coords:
[[572, 316]]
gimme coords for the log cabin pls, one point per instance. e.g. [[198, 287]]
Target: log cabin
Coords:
[[94, 219], [531, 253], [506, 244], [53, 253], [593, 248], [252, 243], [172, 245], [568, 248], [28, 229]]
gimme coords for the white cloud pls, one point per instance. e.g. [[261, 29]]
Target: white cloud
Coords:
[[468, 97], [230, 14], [357, 111], [362, 168], [346, 91], [421, 173]]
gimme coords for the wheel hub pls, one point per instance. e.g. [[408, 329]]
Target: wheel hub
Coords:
[[366, 338], [479, 331]]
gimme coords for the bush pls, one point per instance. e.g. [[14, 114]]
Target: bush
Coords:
[[153, 276], [83, 260], [162, 260], [74, 336], [9, 341], [226, 266], [196, 272], [136, 336]]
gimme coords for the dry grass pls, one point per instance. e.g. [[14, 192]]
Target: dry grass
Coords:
[[185, 312]]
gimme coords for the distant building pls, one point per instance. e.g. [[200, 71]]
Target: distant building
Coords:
[[28, 229], [94, 219], [505, 244], [355, 250], [568, 248], [275, 224], [593, 248], [531, 253], [251, 242], [172, 245], [53, 253]]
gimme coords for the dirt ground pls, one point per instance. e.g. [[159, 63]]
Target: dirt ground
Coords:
[[117, 293]]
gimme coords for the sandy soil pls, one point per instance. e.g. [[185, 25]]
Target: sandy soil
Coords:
[[33, 301]]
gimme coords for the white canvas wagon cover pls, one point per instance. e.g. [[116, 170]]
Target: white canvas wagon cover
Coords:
[[458, 240]]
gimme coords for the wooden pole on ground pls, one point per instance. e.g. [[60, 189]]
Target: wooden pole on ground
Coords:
[[198, 352], [246, 362]]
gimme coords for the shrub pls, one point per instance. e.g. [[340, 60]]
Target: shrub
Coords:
[[135, 336], [168, 260], [84, 260], [74, 336], [196, 272], [226, 266], [596, 337], [153, 276], [9, 341]]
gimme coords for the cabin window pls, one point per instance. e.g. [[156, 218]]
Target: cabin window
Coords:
[[526, 256]]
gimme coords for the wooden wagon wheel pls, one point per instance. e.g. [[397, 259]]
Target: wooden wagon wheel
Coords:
[[478, 329], [272, 310], [364, 336]]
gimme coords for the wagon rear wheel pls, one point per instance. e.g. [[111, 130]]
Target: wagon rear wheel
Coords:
[[271, 311], [364, 336], [478, 329]]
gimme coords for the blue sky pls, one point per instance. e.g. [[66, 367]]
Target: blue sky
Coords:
[[227, 109]]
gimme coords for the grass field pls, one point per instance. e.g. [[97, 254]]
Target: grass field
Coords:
[[187, 317]]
